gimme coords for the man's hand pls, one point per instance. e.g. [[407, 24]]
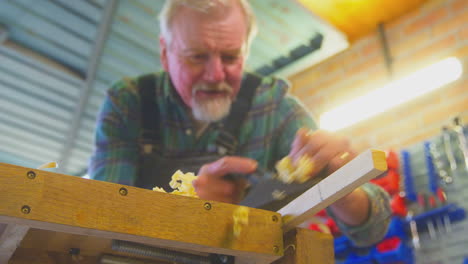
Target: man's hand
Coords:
[[330, 151], [211, 184], [325, 149]]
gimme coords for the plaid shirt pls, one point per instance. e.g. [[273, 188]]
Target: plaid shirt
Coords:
[[266, 134]]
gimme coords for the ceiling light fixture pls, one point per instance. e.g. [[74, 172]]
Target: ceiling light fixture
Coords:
[[393, 94]]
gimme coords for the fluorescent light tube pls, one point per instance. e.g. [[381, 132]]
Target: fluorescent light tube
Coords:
[[392, 94]]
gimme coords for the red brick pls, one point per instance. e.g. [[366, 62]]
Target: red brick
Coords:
[[315, 104], [461, 52], [425, 56], [444, 112], [370, 46], [418, 136], [372, 63], [320, 76], [394, 35], [401, 127], [419, 104], [454, 23], [302, 83], [348, 57], [361, 145], [358, 87], [459, 5], [371, 125], [441, 46], [426, 20], [325, 86], [376, 78], [410, 43], [341, 96], [432, 5], [455, 90], [394, 27], [458, 106], [464, 33], [332, 68]]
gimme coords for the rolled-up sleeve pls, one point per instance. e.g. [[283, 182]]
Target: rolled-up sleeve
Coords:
[[376, 226]]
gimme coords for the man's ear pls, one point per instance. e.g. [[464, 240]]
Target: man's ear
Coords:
[[163, 53]]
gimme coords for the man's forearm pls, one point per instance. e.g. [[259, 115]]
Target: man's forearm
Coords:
[[353, 209]]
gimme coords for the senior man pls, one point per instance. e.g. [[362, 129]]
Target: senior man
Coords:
[[204, 113]]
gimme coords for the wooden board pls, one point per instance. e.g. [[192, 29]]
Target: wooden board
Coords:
[[359, 18], [361, 169], [74, 205]]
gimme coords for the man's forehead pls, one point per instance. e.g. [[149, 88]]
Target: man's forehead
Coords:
[[198, 31], [213, 10], [189, 50], [206, 5]]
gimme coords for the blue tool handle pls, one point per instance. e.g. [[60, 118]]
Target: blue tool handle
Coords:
[[408, 177], [433, 177]]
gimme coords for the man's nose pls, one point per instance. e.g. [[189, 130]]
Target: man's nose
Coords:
[[214, 70]]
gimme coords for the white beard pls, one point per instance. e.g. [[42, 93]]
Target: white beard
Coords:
[[211, 110]]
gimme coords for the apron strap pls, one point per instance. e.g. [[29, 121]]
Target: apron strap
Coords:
[[227, 141], [149, 112]]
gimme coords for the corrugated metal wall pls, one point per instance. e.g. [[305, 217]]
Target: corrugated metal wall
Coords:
[[39, 98], [37, 104]]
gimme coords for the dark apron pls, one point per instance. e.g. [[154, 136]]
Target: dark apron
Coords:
[[156, 167]]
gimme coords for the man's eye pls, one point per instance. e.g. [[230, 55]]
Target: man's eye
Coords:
[[199, 57], [230, 58]]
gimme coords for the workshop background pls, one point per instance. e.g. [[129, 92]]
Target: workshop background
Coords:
[[432, 31], [58, 57]]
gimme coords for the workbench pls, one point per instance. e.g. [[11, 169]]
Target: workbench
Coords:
[[46, 217]]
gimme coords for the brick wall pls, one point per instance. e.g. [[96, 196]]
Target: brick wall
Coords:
[[436, 30]]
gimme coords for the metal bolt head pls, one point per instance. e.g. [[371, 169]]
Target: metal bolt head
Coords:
[[123, 191], [207, 206], [274, 218], [25, 209], [275, 249], [31, 175]]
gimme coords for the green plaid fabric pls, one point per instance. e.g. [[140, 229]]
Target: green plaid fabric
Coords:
[[266, 134]]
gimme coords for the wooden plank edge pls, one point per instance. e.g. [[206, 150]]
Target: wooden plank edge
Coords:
[[358, 171]]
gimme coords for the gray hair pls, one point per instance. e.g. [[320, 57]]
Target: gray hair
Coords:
[[170, 9]]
